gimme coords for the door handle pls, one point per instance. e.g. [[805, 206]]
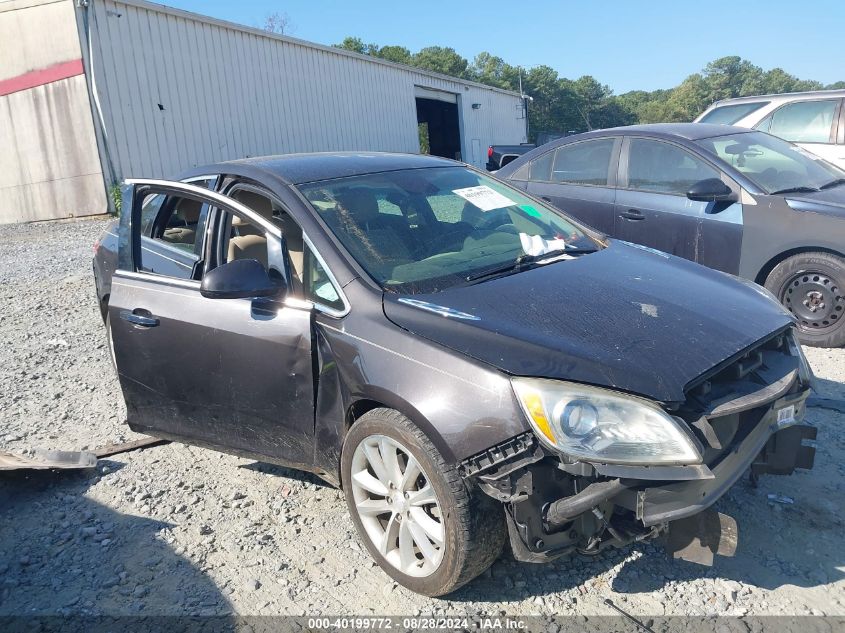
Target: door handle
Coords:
[[632, 214], [546, 198], [139, 317]]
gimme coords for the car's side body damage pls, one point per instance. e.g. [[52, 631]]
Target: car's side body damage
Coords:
[[463, 404]]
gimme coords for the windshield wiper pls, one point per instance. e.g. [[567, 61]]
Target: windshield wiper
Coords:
[[832, 184], [801, 189], [525, 260]]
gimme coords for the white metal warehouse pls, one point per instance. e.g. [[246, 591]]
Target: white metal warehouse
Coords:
[[95, 91]]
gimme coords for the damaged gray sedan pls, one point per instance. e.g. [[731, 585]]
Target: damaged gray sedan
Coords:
[[468, 363]]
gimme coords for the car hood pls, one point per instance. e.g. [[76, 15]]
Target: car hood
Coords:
[[827, 202], [624, 317]]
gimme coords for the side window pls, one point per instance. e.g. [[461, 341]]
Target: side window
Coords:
[[173, 228], [541, 168], [804, 121], [664, 168], [584, 163], [206, 182], [149, 211], [318, 286], [764, 124]]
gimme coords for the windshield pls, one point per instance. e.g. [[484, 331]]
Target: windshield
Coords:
[[730, 114], [424, 230], [771, 163]]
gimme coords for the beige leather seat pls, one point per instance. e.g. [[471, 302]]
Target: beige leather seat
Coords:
[[188, 211], [250, 243]]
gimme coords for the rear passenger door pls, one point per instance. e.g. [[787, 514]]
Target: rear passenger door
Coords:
[[652, 207], [229, 373], [579, 179]]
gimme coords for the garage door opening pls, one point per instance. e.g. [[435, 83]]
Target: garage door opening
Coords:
[[437, 116]]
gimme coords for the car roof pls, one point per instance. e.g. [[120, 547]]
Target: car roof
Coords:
[[685, 131], [296, 169], [688, 131], [784, 97]]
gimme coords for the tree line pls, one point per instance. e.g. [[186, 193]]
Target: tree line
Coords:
[[578, 105]]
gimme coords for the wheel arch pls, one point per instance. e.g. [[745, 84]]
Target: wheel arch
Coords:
[[766, 270], [378, 398], [104, 306]]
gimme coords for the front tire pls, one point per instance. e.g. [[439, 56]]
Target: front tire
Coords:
[[812, 287], [419, 520]]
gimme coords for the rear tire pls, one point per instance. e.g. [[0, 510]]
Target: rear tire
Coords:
[[472, 524], [812, 287]]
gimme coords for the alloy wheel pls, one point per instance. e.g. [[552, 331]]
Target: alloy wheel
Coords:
[[398, 506]]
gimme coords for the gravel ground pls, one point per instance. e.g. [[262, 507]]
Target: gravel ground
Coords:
[[176, 529]]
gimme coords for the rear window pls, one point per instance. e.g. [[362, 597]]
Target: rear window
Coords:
[[730, 114]]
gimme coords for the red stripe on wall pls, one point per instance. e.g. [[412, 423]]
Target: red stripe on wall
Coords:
[[42, 76]]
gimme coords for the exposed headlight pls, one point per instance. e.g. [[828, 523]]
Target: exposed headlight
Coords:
[[602, 425]]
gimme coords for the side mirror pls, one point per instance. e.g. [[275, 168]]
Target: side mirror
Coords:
[[711, 190], [241, 279]]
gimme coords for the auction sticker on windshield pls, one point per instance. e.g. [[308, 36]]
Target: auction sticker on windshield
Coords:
[[484, 197]]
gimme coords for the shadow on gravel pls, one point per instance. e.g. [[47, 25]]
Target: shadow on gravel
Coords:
[[287, 473], [64, 555]]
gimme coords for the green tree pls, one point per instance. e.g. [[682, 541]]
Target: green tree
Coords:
[[553, 105], [777, 80], [493, 71], [590, 99], [732, 76], [560, 104], [398, 54], [356, 45], [442, 60], [688, 100]]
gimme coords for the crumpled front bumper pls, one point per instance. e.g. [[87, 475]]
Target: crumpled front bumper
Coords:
[[770, 448], [553, 508]]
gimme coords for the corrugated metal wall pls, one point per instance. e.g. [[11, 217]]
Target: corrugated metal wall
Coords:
[[178, 90]]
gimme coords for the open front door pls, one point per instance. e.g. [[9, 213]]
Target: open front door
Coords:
[[234, 374]]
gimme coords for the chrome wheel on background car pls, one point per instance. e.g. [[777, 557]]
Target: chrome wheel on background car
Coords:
[[812, 287], [397, 506]]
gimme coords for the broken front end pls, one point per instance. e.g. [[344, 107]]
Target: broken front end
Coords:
[[602, 468]]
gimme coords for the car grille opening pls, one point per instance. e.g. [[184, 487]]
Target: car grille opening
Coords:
[[724, 405]]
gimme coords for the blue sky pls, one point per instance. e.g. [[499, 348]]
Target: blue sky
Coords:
[[627, 45]]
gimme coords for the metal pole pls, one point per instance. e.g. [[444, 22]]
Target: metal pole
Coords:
[[524, 98]]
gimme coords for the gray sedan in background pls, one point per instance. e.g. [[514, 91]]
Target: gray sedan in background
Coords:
[[740, 201]]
